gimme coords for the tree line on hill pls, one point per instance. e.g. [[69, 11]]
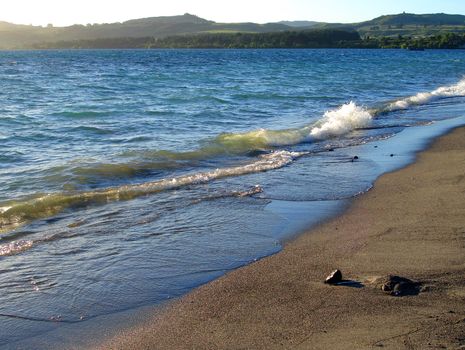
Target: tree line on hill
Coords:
[[325, 38], [317, 38], [440, 41]]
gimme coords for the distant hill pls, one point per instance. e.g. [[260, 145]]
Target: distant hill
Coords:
[[413, 19], [412, 24], [13, 36]]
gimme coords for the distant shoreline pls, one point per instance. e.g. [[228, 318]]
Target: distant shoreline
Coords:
[[304, 39], [219, 49]]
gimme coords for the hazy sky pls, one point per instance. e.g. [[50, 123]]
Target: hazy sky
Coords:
[[66, 12]]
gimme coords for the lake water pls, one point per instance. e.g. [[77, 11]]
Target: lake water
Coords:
[[128, 177]]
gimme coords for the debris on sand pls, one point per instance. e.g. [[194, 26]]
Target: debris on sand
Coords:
[[399, 286]]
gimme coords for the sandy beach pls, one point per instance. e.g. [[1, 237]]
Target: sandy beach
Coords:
[[411, 224]]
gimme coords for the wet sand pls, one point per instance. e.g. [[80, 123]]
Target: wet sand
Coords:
[[412, 224]]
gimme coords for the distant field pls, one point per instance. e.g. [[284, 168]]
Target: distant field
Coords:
[[409, 30]]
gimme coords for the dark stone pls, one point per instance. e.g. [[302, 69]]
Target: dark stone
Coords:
[[334, 277], [391, 155], [355, 157], [330, 149], [399, 286]]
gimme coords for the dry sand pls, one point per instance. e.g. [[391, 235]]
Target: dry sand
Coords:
[[411, 224]]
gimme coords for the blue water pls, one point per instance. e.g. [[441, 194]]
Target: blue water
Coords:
[[129, 177]]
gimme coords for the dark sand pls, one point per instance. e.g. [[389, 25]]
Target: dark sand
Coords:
[[411, 224]]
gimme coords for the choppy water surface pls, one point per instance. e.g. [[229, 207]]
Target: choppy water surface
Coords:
[[129, 177]]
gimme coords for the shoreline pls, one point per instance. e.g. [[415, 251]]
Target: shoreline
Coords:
[[280, 301]]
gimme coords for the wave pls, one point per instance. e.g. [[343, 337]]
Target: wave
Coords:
[[341, 121], [455, 90], [21, 245], [88, 114], [16, 213], [91, 129], [334, 123]]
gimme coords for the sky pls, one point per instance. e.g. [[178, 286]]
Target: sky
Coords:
[[68, 12]]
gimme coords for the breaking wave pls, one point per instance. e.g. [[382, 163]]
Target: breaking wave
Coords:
[[422, 98], [337, 122], [341, 121], [334, 123]]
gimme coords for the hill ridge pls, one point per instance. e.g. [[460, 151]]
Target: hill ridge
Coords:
[[14, 36]]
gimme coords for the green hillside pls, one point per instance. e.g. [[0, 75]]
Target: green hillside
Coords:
[[413, 19], [137, 32], [14, 36], [412, 24]]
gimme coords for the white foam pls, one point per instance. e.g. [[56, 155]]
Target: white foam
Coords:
[[4, 209], [341, 121], [270, 161], [15, 247], [422, 98]]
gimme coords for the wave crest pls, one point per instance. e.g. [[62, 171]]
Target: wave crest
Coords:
[[341, 121], [334, 123], [422, 98], [16, 213]]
